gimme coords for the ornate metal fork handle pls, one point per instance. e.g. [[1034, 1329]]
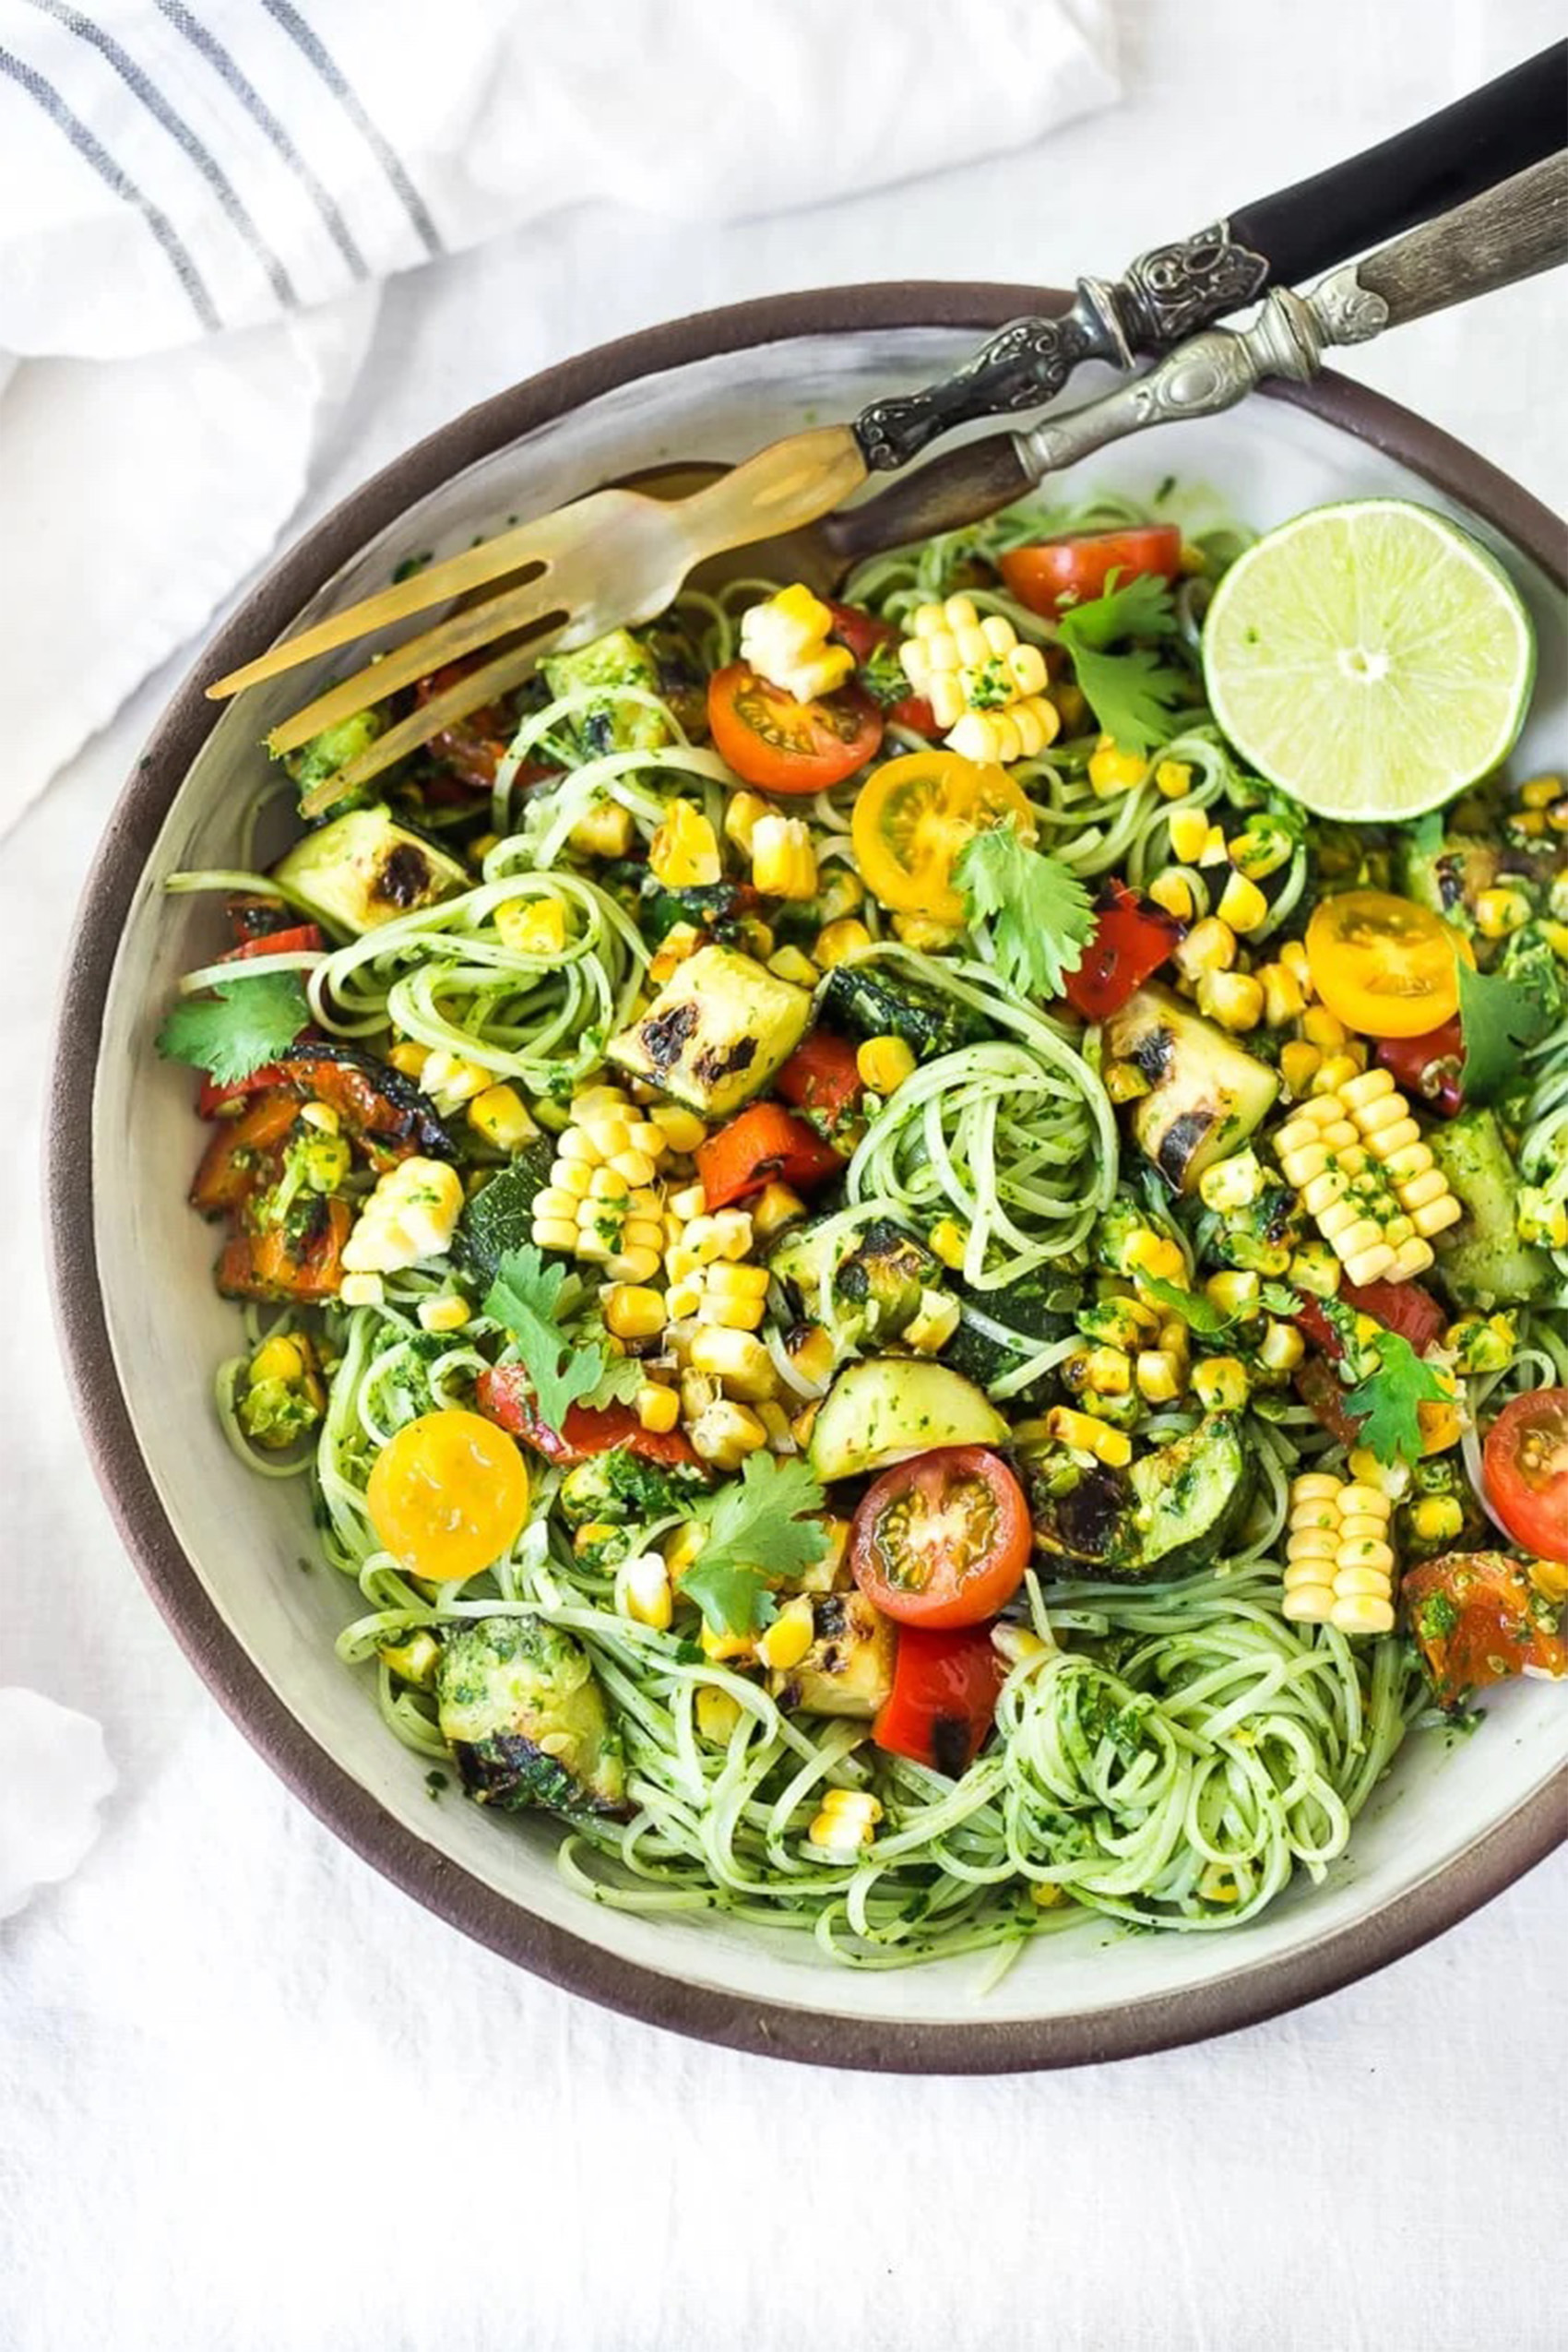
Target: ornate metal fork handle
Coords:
[[1161, 297]]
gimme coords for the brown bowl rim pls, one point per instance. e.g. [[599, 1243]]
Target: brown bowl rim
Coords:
[[1242, 1995]]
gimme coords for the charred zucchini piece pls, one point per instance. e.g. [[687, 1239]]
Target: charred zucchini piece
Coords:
[[1206, 1093], [1170, 1512], [1482, 1261], [849, 1667], [886, 1408], [876, 1277], [362, 870], [716, 1033], [610, 722], [866, 999], [522, 1709], [500, 1216]]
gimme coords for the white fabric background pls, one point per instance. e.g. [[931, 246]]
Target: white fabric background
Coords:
[[252, 2097]]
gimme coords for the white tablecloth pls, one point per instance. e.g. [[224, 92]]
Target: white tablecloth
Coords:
[[250, 2096]]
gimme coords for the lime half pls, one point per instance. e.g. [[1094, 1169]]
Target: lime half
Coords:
[[1370, 659]]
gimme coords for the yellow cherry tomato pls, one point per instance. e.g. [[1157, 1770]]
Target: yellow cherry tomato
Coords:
[[448, 1495], [914, 816], [1384, 966]]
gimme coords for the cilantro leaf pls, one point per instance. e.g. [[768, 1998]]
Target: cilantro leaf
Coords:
[[245, 1023], [1385, 1399], [618, 1384], [525, 1298], [1039, 913], [1499, 1020], [1130, 693], [1200, 1315], [755, 1533]]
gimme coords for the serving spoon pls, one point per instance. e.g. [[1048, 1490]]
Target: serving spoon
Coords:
[[621, 555]]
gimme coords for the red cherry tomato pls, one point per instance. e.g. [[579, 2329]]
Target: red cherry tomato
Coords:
[[1402, 1307], [1526, 1470], [1429, 1065], [782, 746], [943, 1699], [943, 1539], [1057, 573], [504, 1396], [1478, 1618], [822, 1080], [765, 1145], [1131, 939]]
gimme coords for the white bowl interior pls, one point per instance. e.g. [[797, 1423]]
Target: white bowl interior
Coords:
[[247, 1535]]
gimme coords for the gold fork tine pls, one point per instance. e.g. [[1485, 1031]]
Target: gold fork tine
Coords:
[[485, 624], [497, 677]]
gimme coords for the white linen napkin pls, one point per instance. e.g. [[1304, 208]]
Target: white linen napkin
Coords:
[[54, 1773], [198, 199]]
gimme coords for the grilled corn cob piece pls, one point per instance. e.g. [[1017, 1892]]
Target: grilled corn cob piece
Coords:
[[785, 641], [1355, 1156], [986, 689], [1338, 1559]]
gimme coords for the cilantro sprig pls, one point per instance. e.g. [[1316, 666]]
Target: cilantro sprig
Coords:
[[534, 1303], [756, 1530], [1498, 1020], [1390, 1384], [1131, 694], [1034, 910], [1200, 1314], [246, 1022]]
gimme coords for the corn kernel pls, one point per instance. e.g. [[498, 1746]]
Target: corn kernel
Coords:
[[1114, 770], [1500, 911], [1299, 1064], [642, 1591], [717, 1713], [1234, 1293], [1124, 1081], [1150, 1252], [1282, 1349], [1436, 1518], [789, 1636], [602, 831], [1220, 1383], [1233, 999], [1234, 1182], [684, 853], [741, 814], [842, 892], [363, 1290], [935, 1321], [1173, 779], [846, 1824], [503, 1118], [775, 1206], [1159, 1373], [738, 1360], [409, 1058], [1321, 1028], [837, 939], [1084, 1433], [1282, 997], [531, 926], [811, 1351], [723, 1434], [1188, 831], [658, 1408], [884, 1064], [1242, 904], [949, 1241], [631, 1313], [792, 965], [446, 1311], [1209, 946], [1174, 893]]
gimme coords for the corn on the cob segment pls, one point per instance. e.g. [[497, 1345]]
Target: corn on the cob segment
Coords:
[[1355, 1156], [783, 861], [604, 1204], [785, 639], [986, 689], [1338, 1559]]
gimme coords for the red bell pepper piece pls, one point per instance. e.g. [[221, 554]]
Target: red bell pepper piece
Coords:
[[1131, 939], [504, 1396], [1402, 1307], [764, 1144], [821, 1079], [1429, 1066], [943, 1696], [298, 939]]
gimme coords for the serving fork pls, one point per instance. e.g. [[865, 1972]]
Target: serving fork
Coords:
[[620, 556]]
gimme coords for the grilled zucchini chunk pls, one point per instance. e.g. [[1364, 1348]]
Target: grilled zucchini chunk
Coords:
[[876, 1280], [618, 1486], [324, 755], [716, 1033], [865, 998], [1172, 1511], [362, 870], [849, 1667], [522, 1709], [610, 722], [886, 1408], [1206, 1093], [1482, 1261]]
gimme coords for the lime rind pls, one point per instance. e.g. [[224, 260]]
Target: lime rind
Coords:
[[1370, 659]]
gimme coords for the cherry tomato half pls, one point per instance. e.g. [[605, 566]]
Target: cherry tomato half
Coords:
[[782, 746], [449, 1494], [764, 1144], [1384, 966], [1478, 1618], [942, 1540], [1057, 573], [914, 816], [1131, 939], [1526, 1470], [1402, 1307], [943, 1699]]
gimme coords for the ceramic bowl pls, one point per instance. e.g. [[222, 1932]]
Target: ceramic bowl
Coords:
[[143, 1329]]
